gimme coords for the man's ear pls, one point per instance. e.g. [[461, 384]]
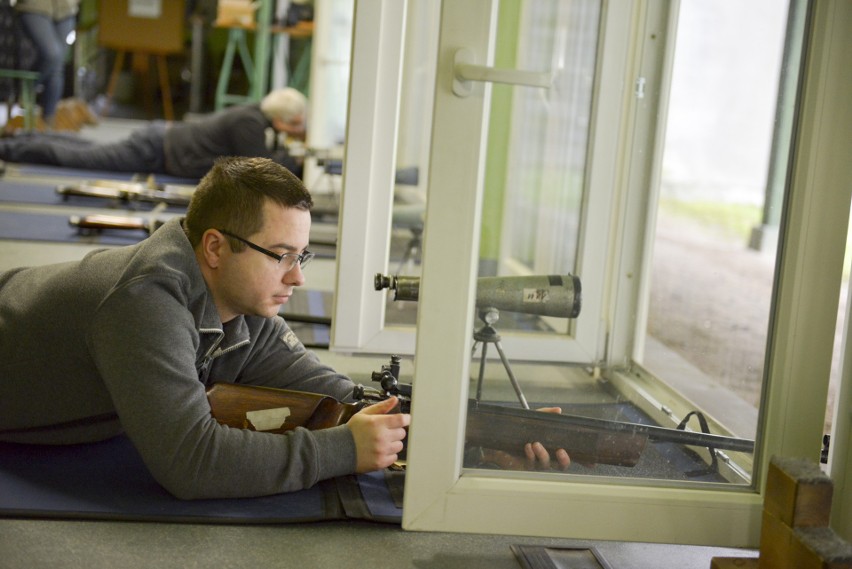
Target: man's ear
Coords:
[[211, 246]]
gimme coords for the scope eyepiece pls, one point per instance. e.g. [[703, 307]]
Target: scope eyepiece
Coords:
[[383, 281]]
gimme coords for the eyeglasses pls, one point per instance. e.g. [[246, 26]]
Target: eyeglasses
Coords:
[[288, 260]]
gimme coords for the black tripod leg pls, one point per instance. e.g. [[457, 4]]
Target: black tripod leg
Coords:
[[481, 371], [512, 379]]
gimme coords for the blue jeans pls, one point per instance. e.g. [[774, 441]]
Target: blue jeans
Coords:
[[49, 38]]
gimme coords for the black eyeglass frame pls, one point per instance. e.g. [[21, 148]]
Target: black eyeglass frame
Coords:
[[301, 259]]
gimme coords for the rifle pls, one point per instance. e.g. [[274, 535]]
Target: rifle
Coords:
[[588, 440], [325, 205], [95, 223], [89, 224], [149, 191], [489, 426]]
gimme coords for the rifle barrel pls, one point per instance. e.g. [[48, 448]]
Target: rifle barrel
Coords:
[[653, 432]]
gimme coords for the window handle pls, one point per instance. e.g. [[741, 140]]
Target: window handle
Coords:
[[466, 71]]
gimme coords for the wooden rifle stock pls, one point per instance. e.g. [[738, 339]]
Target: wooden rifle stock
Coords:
[[238, 406], [96, 222]]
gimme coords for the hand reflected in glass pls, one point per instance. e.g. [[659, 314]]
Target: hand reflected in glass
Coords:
[[533, 456]]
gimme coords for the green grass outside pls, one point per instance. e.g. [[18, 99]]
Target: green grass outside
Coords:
[[732, 220]]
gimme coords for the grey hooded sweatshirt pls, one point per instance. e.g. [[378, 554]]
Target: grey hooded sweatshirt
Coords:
[[127, 340]]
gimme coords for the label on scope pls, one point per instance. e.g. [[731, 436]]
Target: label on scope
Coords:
[[536, 295]]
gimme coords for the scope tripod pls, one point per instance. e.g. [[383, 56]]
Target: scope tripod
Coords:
[[487, 334]]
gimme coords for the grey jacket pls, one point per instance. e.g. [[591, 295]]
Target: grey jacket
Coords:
[[191, 147], [127, 340]]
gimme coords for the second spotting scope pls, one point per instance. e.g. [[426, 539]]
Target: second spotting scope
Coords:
[[544, 295]]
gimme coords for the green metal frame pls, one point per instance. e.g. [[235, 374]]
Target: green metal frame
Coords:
[[28, 93], [257, 69]]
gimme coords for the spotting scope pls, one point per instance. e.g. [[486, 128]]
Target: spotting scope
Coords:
[[543, 295]]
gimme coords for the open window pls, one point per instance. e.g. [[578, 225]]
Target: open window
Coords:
[[581, 166]]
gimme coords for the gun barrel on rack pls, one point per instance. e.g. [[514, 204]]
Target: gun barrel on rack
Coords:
[[171, 194]]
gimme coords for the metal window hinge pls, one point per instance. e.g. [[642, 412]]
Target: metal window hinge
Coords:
[[640, 88]]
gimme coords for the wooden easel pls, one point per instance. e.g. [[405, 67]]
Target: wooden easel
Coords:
[[144, 36], [141, 67]]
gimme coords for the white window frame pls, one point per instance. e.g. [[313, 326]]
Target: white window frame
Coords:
[[368, 179]]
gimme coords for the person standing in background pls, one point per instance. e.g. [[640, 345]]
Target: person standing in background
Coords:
[[48, 23]]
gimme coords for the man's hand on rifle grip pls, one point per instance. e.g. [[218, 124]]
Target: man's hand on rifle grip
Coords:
[[378, 435]]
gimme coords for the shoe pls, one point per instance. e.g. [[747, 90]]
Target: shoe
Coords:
[[72, 114], [66, 117], [16, 125], [85, 112]]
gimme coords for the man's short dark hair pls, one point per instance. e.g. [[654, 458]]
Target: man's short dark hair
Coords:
[[231, 196]]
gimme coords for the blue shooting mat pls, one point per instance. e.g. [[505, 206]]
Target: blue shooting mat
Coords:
[[79, 173], [32, 226], [108, 480], [26, 226], [41, 193], [51, 223]]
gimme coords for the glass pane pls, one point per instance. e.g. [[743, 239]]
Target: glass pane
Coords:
[[538, 140], [711, 260], [721, 194], [415, 124], [545, 170], [327, 81], [537, 149]]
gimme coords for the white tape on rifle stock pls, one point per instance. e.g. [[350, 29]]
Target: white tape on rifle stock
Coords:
[[268, 419]]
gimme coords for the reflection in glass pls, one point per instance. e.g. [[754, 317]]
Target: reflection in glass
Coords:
[[548, 142], [538, 147], [415, 119]]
